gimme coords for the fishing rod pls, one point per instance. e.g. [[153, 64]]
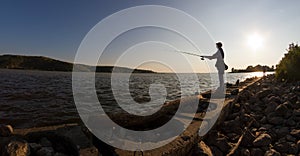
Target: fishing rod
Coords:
[[185, 52]]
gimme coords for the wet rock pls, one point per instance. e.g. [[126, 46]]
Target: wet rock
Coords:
[[203, 149], [273, 134], [276, 120], [216, 151], [256, 152], [283, 131], [233, 137], [298, 144], [290, 138], [45, 142], [244, 96], [233, 116], [227, 126], [45, 151], [296, 133], [252, 100], [270, 108], [256, 124], [297, 105], [257, 107], [247, 139], [5, 130], [264, 93], [229, 85], [273, 98], [272, 152], [286, 147], [60, 154], [263, 120], [234, 92], [34, 147], [293, 148], [281, 147], [290, 122], [267, 126], [281, 110], [223, 144], [262, 129], [206, 94], [237, 106], [296, 112], [262, 140], [281, 140], [245, 152], [17, 147], [293, 99], [245, 118]]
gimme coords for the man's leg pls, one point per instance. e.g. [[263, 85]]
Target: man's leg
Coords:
[[221, 80]]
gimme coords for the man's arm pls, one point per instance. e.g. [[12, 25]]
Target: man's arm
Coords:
[[214, 56], [208, 57]]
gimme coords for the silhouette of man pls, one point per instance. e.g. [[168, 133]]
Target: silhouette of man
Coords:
[[220, 65]]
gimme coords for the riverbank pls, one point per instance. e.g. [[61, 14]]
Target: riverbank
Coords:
[[264, 119], [77, 136], [260, 116]]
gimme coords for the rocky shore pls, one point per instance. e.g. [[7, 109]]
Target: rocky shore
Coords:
[[264, 119], [59, 140]]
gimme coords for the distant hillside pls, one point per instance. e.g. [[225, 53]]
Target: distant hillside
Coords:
[[253, 69], [49, 64]]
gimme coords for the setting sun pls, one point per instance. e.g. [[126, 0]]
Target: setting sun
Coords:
[[255, 41]]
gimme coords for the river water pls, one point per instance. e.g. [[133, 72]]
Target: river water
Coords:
[[40, 98]]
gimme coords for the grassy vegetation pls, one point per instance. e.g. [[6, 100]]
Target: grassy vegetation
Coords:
[[288, 67]]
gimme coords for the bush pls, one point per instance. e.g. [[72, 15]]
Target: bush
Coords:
[[288, 67]]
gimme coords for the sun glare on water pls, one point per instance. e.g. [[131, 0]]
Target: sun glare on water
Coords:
[[255, 41]]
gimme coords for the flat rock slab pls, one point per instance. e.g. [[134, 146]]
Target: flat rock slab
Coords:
[[72, 131]]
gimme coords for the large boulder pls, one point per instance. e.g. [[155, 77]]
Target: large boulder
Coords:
[[5, 130], [16, 147]]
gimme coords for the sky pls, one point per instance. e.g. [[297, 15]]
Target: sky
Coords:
[[253, 32]]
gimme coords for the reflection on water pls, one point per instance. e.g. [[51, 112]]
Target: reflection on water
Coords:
[[35, 98]]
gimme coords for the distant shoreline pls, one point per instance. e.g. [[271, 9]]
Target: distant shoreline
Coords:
[[41, 63], [249, 71], [257, 68]]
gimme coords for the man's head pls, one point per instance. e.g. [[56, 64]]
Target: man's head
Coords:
[[219, 45]]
